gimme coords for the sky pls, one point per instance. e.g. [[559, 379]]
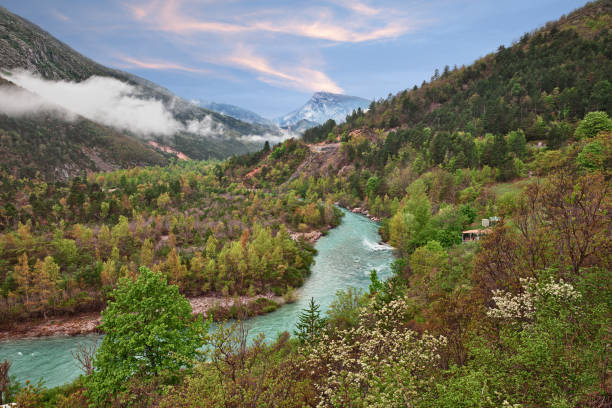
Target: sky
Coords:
[[270, 56]]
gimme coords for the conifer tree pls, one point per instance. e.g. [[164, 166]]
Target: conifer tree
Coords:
[[310, 323]]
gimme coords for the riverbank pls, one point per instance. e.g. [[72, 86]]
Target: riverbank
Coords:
[[344, 259], [88, 323], [365, 213], [220, 308], [359, 210]]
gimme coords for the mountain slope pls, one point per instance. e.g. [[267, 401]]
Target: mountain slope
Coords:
[[323, 106], [59, 145], [24, 45]]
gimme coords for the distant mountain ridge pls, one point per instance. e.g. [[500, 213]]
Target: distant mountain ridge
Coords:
[[323, 106], [237, 112]]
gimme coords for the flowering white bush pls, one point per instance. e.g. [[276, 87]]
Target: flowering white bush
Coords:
[[377, 364], [561, 290], [522, 306]]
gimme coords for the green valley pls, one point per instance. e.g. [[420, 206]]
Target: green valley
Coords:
[[492, 182]]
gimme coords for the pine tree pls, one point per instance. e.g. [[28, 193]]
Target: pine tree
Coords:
[[24, 278], [310, 323]]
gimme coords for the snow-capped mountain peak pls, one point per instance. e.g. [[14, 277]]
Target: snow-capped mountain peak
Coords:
[[323, 106]]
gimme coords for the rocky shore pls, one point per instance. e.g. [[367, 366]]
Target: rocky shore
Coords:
[[90, 322], [363, 211], [311, 236]]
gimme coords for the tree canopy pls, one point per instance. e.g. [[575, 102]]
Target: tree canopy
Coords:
[[150, 330]]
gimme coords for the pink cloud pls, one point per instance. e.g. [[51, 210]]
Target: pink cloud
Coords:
[[59, 15], [319, 25], [160, 65], [359, 7], [300, 78]]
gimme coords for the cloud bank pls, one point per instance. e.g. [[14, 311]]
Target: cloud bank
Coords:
[[101, 99]]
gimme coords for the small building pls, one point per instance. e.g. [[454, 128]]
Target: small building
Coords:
[[473, 235]]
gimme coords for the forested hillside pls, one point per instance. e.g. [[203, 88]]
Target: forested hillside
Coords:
[[50, 146], [518, 318]]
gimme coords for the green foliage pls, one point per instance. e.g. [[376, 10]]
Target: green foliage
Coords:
[[590, 157], [517, 143], [149, 331], [372, 186], [262, 375], [550, 360], [343, 313], [597, 154], [592, 124], [520, 317], [310, 323], [318, 133], [206, 235]]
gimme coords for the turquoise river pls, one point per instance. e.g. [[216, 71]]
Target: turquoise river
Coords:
[[345, 258]]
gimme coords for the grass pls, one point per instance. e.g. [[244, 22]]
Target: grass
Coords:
[[513, 187]]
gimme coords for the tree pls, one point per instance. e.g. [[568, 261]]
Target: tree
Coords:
[[500, 150], [25, 279], [597, 155], [147, 254], [309, 323], [343, 313], [517, 143], [5, 381], [372, 186], [601, 97], [557, 134], [150, 331], [410, 227], [593, 123], [439, 146], [427, 263], [45, 290]]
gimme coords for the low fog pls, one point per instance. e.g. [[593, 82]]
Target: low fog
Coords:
[[101, 99], [270, 137], [16, 101]]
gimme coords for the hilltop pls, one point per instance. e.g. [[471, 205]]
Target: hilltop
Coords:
[[57, 145]]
